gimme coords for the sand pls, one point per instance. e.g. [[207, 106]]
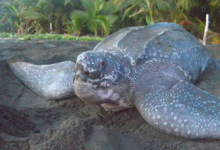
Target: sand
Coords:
[[29, 121]]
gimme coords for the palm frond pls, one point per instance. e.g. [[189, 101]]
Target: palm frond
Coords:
[[128, 11], [88, 5], [29, 14], [188, 4], [163, 5], [122, 4], [40, 3], [78, 14]]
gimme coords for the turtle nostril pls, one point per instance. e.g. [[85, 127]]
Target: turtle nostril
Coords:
[[103, 63], [87, 73], [78, 66], [94, 75]]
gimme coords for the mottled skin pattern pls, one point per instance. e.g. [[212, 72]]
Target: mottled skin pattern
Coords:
[[174, 105], [152, 68]]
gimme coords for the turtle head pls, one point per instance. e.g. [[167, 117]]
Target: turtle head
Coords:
[[101, 78]]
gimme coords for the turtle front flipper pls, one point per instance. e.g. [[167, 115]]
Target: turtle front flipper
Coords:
[[184, 110], [53, 81]]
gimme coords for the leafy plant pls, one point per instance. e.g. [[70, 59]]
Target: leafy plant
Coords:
[[57, 11], [94, 18], [153, 11], [101, 17], [20, 17]]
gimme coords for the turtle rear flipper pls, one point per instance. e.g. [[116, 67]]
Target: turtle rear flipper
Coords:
[[183, 110], [53, 81]]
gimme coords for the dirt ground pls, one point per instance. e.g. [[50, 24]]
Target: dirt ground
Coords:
[[28, 121]]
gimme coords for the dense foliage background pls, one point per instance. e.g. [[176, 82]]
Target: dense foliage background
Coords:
[[102, 17]]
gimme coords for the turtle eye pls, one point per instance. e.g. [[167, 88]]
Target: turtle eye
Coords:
[[87, 72], [94, 75], [103, 63]]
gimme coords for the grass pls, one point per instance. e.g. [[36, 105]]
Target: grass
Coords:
[[49, 36]]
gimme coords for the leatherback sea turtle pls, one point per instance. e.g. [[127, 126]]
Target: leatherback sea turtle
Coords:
[[152, 68]]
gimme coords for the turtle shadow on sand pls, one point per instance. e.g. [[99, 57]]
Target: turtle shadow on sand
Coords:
[[71, 124]]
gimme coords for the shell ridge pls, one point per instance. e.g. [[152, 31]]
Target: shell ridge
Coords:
[[133, 29]]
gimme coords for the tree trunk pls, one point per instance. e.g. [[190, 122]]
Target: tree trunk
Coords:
[[96, 32]]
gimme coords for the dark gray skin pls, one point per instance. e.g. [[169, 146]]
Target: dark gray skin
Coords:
[[152, 68], [127, 55]]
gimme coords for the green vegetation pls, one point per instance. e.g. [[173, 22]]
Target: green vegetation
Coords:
[[48, 36], [102, 17]]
